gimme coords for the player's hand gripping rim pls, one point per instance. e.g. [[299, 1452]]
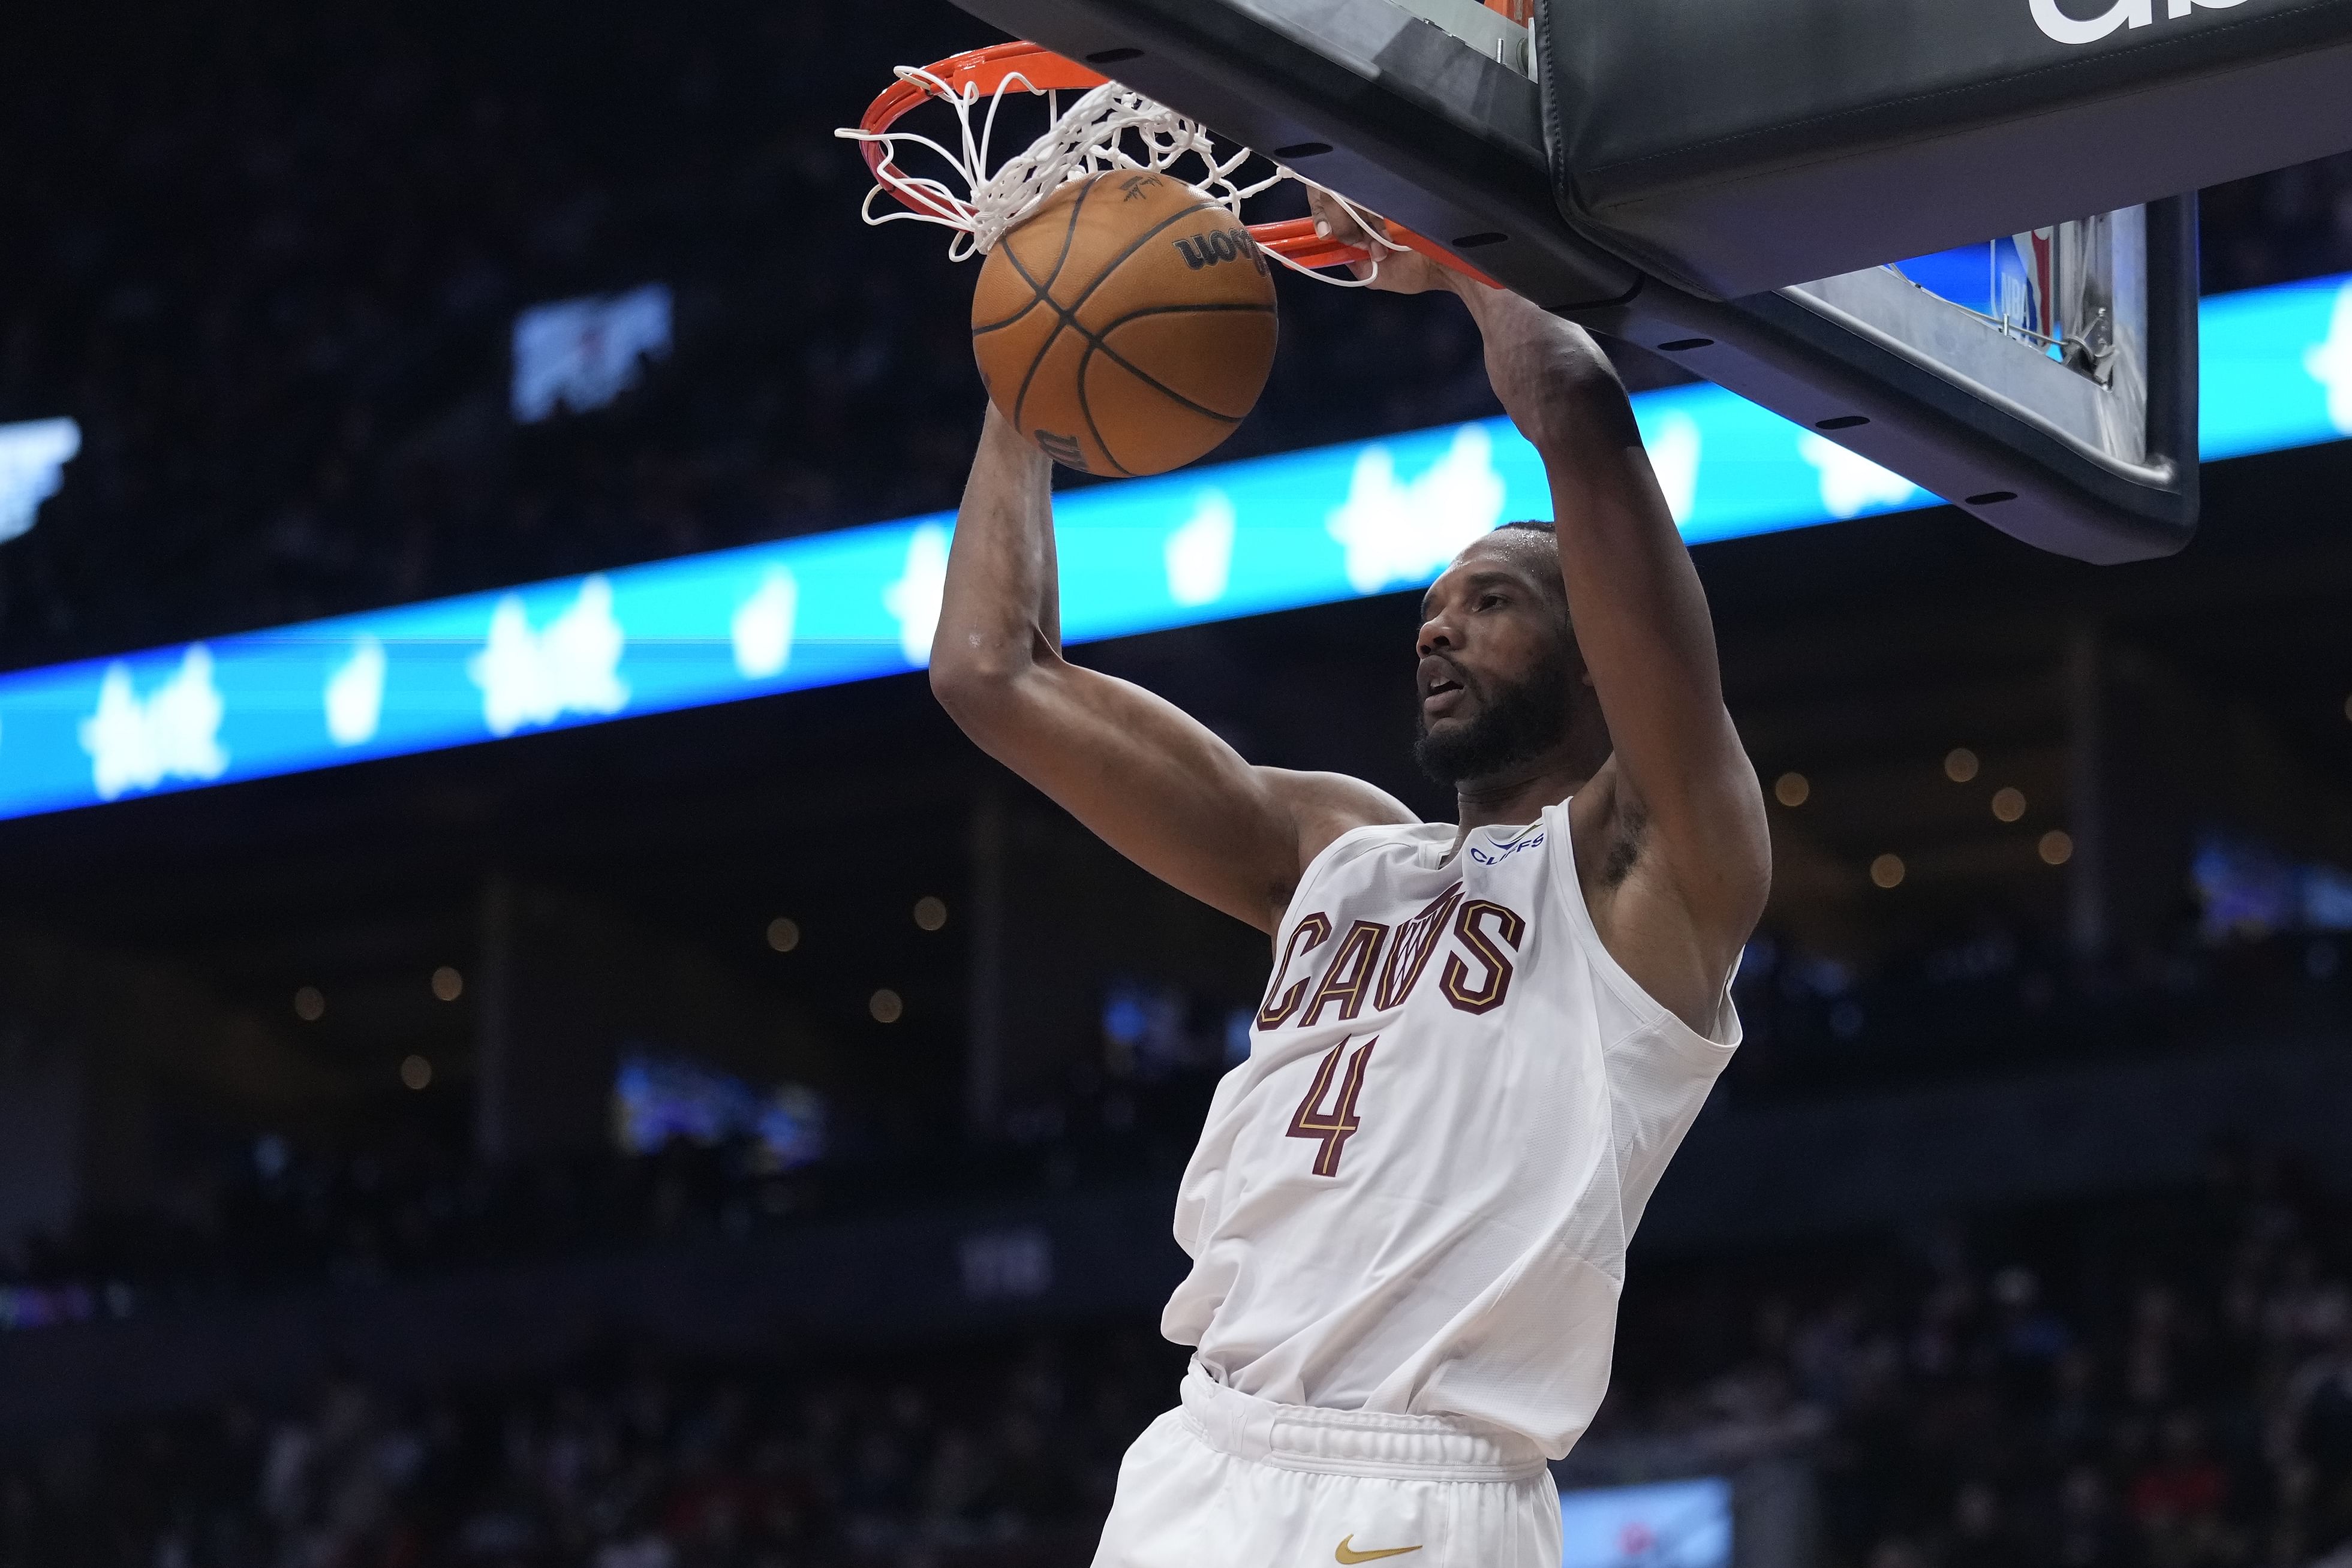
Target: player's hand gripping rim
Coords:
[[1393, 269]]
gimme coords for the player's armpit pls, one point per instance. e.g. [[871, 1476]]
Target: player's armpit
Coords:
[[1675, 887], [1323, 806], [1678, 953], [1695, 822]]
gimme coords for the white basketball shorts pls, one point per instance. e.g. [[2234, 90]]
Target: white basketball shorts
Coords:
[[1228, 1480]]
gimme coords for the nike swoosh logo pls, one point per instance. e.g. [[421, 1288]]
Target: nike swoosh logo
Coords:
[[1347, 1553]]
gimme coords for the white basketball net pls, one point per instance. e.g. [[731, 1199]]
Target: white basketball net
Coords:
[[1093, 137]]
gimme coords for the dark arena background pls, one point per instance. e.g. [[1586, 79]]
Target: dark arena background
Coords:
[[741, 1133]]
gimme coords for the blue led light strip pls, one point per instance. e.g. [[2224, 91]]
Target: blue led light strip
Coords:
[[1208, 544]]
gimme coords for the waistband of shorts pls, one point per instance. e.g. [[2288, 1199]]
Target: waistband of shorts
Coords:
[[1354, 1442]]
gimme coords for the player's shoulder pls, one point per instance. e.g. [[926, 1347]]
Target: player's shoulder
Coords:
[[1324, 808], [1328, 805]]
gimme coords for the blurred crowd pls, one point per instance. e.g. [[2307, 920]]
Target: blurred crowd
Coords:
[[976, 1456], [277, 1217], [270, 256], [274, 1213], [2154, 1381]]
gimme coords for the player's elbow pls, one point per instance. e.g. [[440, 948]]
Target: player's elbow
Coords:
[[965, 684], [982, 687]]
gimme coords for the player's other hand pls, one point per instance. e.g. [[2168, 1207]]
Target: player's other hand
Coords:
[[1400, 271]]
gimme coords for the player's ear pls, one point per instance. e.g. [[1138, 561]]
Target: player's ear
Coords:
[[1576, 653]]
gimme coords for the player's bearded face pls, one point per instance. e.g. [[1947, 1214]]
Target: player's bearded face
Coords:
[[1502, 723]]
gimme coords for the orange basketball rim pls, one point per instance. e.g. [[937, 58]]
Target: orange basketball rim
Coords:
[[983, 73]]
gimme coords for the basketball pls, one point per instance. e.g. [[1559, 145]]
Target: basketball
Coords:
[[1127, 326]]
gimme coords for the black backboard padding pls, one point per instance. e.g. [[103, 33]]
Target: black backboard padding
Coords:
[[1728, 145]]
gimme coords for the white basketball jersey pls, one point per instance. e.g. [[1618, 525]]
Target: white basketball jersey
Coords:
[[1415, 1195]]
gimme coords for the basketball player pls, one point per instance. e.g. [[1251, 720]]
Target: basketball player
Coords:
[[1482, 1041]]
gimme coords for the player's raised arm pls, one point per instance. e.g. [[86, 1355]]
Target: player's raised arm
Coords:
[[1679, 797], [1672, 844], [1154, 783]]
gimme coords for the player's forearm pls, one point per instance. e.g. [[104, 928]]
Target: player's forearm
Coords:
[[1001, 607], [1553, 380], [1636, 600]]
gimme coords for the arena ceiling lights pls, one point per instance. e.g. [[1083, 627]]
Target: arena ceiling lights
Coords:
[[1206, 544]]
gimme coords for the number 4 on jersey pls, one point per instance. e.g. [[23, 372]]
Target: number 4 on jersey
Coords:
[[1333, 1128]]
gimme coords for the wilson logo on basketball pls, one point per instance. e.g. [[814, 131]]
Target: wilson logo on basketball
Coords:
[[2056, 24], [1219, 245]]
